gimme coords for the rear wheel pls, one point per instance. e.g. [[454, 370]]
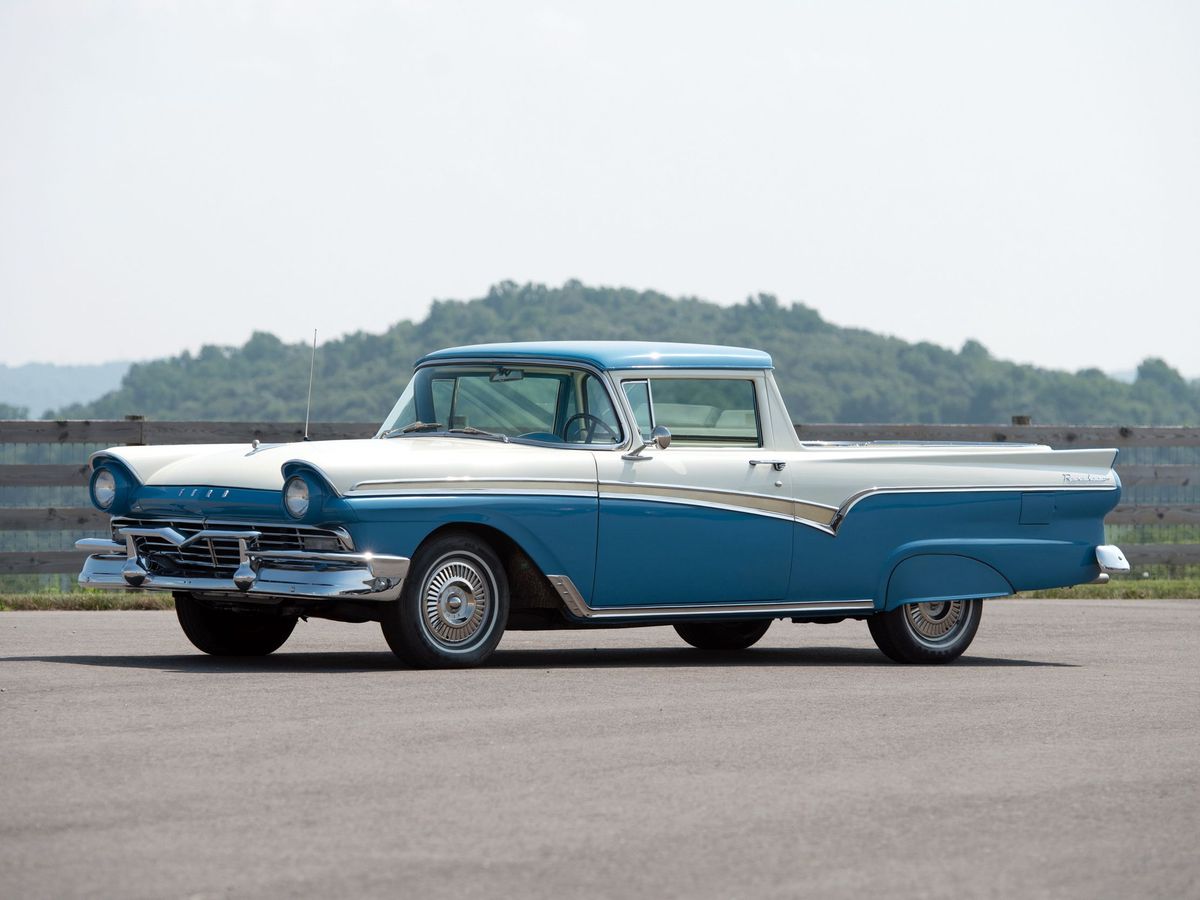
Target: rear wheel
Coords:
[[225, 632], [932, 632], [723, 635], [453, 606]]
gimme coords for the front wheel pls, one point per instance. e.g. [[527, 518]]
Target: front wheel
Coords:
[[453, 606], [932, 632], [723, 635], [229, 632]]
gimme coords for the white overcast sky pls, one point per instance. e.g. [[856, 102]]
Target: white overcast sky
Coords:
[[180, 173]]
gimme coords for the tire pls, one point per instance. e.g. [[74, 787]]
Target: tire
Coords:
[[723, 635], [223, 632], [936, 632], [453, 606]]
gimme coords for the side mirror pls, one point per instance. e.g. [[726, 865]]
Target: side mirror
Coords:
[[660, 437]]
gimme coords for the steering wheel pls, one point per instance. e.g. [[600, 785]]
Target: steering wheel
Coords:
[[588, 430]]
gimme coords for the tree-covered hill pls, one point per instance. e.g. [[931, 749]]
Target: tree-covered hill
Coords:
[[827, 373], [38, 387], [9, 411]]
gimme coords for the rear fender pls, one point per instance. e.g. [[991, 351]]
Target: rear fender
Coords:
[[941, 576]]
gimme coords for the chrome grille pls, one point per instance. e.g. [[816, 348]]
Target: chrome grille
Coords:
[[218, 557]]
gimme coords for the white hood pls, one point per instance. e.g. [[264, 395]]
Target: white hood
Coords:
[[348, 463]]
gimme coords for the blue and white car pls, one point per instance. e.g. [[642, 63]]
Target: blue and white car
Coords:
[[593, 484]]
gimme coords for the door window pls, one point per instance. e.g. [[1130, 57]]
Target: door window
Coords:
[[718, 412]]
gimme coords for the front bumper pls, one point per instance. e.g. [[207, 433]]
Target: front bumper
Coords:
[[261, 574]]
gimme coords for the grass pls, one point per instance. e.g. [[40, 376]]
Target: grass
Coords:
[[1126, 589], [1122, 589], [85, 600]]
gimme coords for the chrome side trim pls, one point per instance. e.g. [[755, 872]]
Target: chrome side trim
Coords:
[[1111, 559], [461, 485], [671, 493], [759, 504], [579, 607], [857, 497], [570, 595], [815, 515]]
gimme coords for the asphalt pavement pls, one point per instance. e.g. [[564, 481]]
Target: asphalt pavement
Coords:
[[1059, 758]]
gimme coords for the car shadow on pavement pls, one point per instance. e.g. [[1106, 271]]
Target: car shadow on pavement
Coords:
[[684, 657], [560, 658], [201, 664]]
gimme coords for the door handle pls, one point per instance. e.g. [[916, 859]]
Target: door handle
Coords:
[[776, 464]]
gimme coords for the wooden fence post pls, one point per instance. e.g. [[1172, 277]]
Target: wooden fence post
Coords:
[[141, 431]]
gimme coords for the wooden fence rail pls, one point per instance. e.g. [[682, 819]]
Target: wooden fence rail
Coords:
[[1060, 437], [51, 518], [126, 431], [138, 431]]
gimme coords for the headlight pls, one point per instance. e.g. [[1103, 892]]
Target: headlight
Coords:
[[104, 488], [295, 496]]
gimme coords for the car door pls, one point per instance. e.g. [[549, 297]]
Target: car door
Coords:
[[708, 519]]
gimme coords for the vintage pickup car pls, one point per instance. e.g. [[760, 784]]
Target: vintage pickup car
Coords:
[[593, 484]]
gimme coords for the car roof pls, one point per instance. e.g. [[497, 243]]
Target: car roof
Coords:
[[615, 354]]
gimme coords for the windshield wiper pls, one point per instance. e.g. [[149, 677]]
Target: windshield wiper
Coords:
[[479, 432], [412, 427]]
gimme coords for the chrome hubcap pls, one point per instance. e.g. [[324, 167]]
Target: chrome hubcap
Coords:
[[457, 600], [936, 622]]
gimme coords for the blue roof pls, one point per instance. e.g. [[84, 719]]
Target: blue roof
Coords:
[[615, 354]]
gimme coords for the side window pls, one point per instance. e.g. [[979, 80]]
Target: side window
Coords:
[[597, 403], [699, 411], [638, 394], [588, 414], [443, 399]]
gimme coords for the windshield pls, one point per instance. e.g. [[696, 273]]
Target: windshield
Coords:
[[548, 404]]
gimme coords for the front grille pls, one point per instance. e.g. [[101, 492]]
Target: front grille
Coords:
[[218, 557]]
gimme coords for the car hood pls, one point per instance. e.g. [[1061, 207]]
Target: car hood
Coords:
[[346, 465]]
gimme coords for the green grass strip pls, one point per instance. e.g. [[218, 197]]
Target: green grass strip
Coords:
[[1123, 589], [86, 600]]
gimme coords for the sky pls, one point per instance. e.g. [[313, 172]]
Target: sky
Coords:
[[1021, 173]]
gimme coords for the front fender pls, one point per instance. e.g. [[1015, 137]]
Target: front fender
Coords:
[[557, 533]]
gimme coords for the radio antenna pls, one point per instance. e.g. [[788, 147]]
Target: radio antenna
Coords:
[[312, 367]]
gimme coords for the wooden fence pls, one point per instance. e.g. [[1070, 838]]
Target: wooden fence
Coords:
[[137, 431]]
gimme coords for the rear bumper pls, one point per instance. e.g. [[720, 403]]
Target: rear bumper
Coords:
[[1111, 560], [279, 573]]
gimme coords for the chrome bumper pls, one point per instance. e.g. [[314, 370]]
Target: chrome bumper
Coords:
[[266, 573], [1110, 559]]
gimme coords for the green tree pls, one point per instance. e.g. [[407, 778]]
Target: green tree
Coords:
[[826, 373], [8, 411]]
